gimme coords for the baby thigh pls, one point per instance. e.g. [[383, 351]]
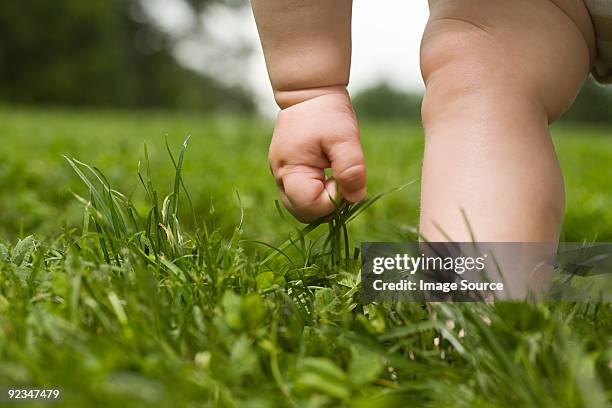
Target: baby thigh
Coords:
[[497, 72]]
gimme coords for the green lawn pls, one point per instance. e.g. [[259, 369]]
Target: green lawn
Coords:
[[228, 154], [130, 315]]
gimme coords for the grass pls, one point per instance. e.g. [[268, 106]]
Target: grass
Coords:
[[131, 293]]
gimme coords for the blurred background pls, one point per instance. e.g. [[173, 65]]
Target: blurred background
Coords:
[[95, 79], [203, 55]]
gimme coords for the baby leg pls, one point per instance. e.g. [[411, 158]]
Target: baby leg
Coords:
[[497, 72]]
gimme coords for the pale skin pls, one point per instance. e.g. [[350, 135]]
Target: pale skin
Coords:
[[497, 73]]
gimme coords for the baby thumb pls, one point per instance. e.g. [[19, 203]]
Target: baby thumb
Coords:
[[348, 169]]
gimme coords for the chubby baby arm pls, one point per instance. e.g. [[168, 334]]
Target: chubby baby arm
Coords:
[[307, 47]]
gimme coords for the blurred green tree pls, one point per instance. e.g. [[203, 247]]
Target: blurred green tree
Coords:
[[385, 102], [592, 105], [99, 53]]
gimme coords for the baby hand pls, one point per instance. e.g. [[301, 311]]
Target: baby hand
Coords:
[[309, 137]]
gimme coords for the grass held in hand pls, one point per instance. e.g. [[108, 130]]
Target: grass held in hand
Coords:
[[133, 309]]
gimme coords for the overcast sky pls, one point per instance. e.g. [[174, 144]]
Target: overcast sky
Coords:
[[386, 37]]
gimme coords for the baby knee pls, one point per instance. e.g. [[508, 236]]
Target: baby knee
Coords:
[[457, 67], [513, 57]]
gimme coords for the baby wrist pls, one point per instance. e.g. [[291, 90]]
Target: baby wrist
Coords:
[[287, 98]]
